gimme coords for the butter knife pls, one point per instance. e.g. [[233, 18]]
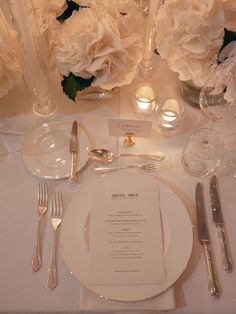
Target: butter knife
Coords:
[[204, 239], [73, 151], [218, 220]]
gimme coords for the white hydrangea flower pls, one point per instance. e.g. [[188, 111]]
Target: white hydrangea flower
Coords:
[[230, 14], [101, 43], [10, 57], [43, 13], [189, 36], [226, 72]]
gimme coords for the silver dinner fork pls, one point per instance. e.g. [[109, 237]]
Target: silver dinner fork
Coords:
[[42, 207], [150, 167], [56, 219]]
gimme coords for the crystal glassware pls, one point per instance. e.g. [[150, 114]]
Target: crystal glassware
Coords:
[[146, 67], [202, 153], [144, 100], [170, 115], [36, 70], [216, 102]]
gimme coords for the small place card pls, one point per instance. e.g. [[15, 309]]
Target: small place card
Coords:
[[120, 127], [126, 245]]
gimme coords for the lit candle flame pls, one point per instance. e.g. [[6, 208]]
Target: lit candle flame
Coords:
[[143, 103], [169, 116]]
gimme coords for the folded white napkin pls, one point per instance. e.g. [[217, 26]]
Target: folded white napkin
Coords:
[[90, 301]]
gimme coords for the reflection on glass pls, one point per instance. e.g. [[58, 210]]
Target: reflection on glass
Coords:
[[170, 116], [202, 153], [216, 102], [36, 71], [144, 100]]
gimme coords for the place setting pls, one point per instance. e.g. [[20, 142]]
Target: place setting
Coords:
[[117, 156], [118, 219], [88, 210], [135, 192]]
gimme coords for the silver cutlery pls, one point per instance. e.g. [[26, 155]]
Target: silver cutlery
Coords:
[[42, 207], [56, 219], [74, 151], [150, 167], [106, 156], [218, 220], [205, 240]]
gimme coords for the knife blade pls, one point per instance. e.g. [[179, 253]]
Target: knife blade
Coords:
[[204, 239], [74, 151], [218, 220]]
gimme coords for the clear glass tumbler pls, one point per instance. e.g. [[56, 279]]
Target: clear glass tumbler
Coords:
[[202, 153]]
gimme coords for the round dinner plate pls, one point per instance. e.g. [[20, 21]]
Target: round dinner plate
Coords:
[[45, 151], [177, 235]]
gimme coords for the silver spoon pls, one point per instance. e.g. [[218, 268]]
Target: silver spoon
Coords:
[[105, 156]]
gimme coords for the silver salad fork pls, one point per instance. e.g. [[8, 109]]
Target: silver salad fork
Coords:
[[42, 207], [56, 219]]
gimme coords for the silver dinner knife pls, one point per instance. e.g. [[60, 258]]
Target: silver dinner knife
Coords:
[[204, 239], [218, 220], [73, 151]]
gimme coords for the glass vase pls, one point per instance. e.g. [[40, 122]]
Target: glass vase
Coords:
[[190, 93], [217, 100]]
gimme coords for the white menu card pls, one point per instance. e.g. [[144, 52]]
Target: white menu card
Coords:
[[126, 245]]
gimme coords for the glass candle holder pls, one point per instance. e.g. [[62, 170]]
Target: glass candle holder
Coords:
[[144, 100], [171, 114]]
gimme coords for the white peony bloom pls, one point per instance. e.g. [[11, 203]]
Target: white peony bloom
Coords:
[[99, 43], [189, 36], [10, 57]]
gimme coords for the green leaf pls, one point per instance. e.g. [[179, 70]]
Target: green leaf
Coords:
[[228, 37], [71, 84], [71, 7]]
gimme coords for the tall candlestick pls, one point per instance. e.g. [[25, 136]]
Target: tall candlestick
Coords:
[[149, 33]]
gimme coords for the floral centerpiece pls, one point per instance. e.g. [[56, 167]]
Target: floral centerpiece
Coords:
[[10, 56], [197, 31], [95, 42]]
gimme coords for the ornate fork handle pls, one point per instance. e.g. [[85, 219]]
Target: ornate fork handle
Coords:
[[36, 261], [156, 156], [52, 271], [100, 170]]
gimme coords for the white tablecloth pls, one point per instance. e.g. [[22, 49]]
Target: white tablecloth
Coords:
[[22, 291]]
